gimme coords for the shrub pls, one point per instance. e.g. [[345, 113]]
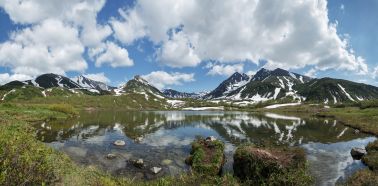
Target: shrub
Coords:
[[64, 108]]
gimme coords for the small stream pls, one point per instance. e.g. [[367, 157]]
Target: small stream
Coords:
[[166, 138]]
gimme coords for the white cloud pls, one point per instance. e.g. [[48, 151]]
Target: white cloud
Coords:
[[178, 52], [161, 79], [289, 34], [251, 72], [55, 36], [129, 28], [98, 77], [375, 72], [51, 46], [114, 55], [225, 70], [311, 73], [6, 78]]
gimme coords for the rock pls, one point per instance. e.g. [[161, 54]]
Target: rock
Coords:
[[138, 163], [119, 143], [166, 162], [211, 138], [262, 165], [111, 156], [138, 139], [155, 170], [357, 153], [207, 157], [356, 131]]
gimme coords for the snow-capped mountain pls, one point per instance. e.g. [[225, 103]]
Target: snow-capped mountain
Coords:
[[170, 93], [140, 86], [277, 84], [87, 83], [234, 82], [53, 80]]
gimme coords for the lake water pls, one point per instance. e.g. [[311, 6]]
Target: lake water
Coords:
[[167, 136]]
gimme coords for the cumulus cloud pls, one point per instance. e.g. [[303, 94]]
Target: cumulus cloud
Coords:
[[98, 77], [113, 55], [129, 27], [289, 34], [6, 77], [55, 36], [225, 70], [162, 79], [51, 46], [178, 52]]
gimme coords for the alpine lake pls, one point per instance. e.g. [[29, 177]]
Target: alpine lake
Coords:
[[162, 139]]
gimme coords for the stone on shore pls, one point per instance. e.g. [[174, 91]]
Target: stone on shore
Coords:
[[357, 153]]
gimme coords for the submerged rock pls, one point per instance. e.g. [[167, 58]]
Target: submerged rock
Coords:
[[155, 170], [111, 156], [119, 143], [272, 166], [357, 153], [206, 157], [138, 139], [166, 162], [138, 163]]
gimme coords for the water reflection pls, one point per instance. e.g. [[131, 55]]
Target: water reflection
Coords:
[[167, 136]]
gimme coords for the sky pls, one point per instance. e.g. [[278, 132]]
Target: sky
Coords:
[[187, 45]]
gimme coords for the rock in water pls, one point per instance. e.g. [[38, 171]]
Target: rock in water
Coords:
[[155, 170], [138, 139], [357, 153], [138, 163], [211, 138], [111, 156], [119, 143]]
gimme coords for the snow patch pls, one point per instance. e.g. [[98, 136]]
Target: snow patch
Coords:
[[282, 105], [345, 92], [5, 95], [203, 108]]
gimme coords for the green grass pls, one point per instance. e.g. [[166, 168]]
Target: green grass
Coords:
[[207, 157], [271, 166]]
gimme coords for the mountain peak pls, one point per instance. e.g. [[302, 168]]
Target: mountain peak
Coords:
[[140, 79]]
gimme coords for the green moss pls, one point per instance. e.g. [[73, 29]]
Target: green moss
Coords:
[[362, 178], [271, 166], [207, 156]]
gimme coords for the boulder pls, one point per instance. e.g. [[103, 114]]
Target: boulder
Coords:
[[111, 156], [206, 157], [155, 170], [138, 163], [357, 153], [119, 143], [271, 166], [211, 138], [138, 139]]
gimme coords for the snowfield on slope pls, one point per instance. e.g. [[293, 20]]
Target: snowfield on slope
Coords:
[[281, 105]]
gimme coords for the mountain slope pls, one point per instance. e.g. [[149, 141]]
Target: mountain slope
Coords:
[[87, 83], [235, 81], [139, 86], [53, 80], [264, 85], [330, 90]]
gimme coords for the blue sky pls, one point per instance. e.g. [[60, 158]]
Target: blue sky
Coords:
[[187, 45]]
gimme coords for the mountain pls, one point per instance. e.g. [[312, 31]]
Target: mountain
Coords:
[[234, 82], [264, 85], [87, 83], [328, 90], [170, 93], [140, 86], [52, 80]]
